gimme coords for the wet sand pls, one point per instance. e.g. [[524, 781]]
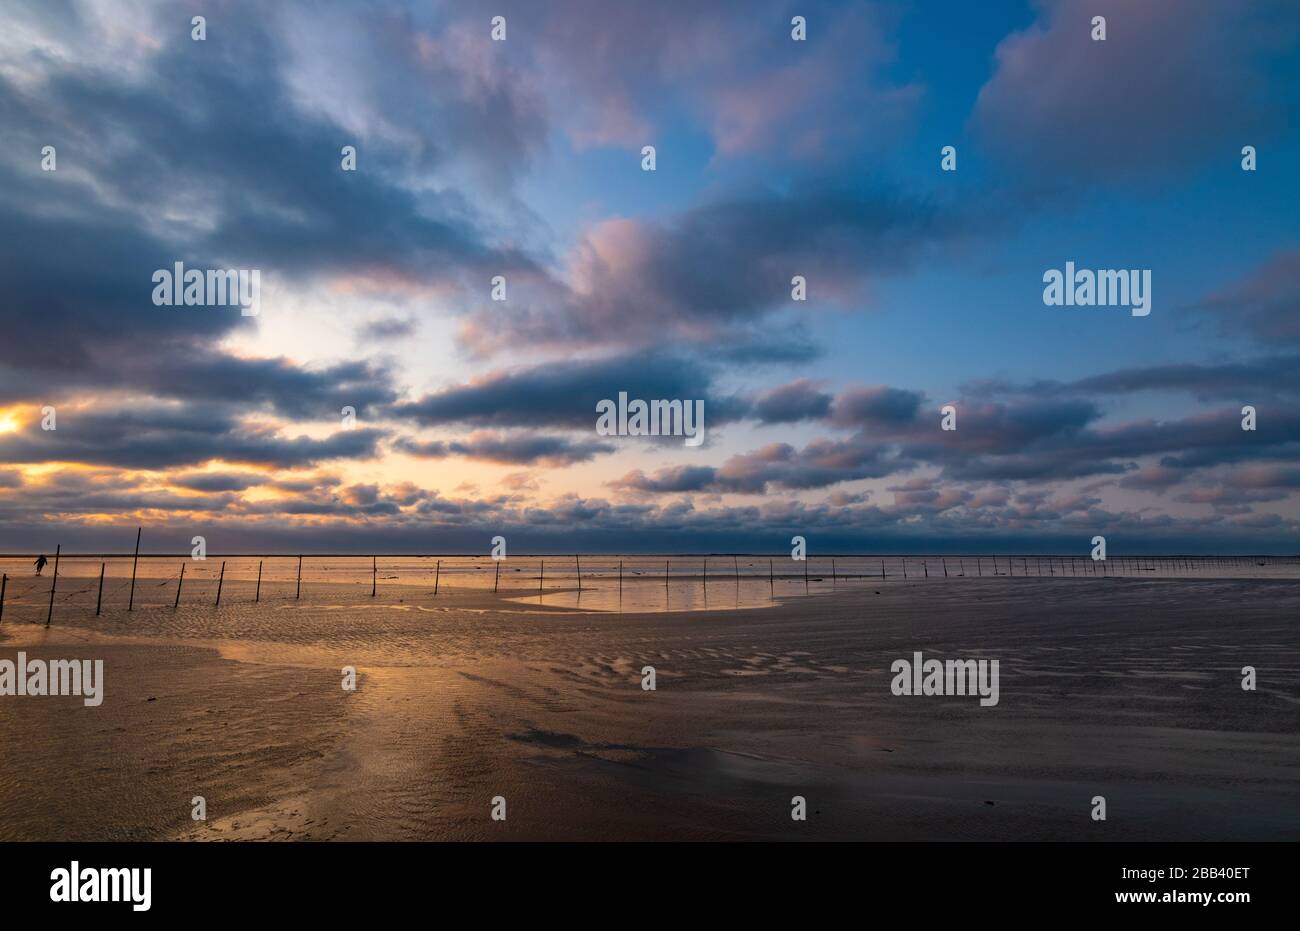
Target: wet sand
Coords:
[[1126, 688]]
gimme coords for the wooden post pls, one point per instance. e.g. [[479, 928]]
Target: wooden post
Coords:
[[979, 567], [620, 576], [666, 574], [497, 580], [925, 567], [735, 566], [578, 560], [374, 575], [220, 579], [257, 595], [181, 582], [130, 605], [904, 568], [99, 599], [834, 576], [4, 583], [53, 584], [706, 573], [945, 566], [298, 591], [805, 572], [771, 574], [437, 573], [541, 577], [882, 570]]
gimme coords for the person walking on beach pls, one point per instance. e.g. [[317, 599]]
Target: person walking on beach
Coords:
[[40, 563]]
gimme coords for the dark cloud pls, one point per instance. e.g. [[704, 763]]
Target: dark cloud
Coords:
[[510, 448], [387, 328], [1251, 379], [219, 481], [565, 394], [875, 407], [213, 155], [797, 400], [778, 465], [160, 437], [670, 480]]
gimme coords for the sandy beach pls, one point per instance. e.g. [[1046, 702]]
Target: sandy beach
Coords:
[[1125, 688]]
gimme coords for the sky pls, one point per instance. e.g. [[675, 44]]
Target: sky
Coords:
[[522, 159]]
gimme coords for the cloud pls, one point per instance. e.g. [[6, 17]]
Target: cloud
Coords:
[[1176, 82], [565, 394], [1264, 304], [875, 407], [168, 436], [386, 328], [210, 155], [791, 402], [219, 481], [718, 273], [510, 448], [751, 88], [820, 464]]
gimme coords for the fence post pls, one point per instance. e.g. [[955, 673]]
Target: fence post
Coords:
[[541, 577], [578, 560], [257, 595], [99, 599], [220, 580], [374, 575], [130, 605], [4, 583], [298, 591], [497, 580], [179, 584], [53, 584], [437, 574]]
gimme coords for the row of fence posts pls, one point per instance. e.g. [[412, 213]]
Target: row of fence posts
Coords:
[[1174, 562], [135, 563]]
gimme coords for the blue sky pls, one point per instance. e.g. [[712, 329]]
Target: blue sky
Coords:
[[775, 158]]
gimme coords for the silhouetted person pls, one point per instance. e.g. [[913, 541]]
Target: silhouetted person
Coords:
[[40, 563]]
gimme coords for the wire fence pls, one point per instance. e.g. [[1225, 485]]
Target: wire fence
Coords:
[[110, 582]]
